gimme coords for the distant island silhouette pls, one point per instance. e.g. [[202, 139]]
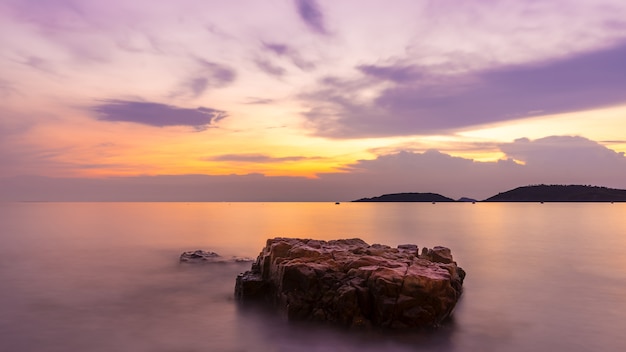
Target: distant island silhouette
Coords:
[[531, 193], [407, 197], [560, 193]]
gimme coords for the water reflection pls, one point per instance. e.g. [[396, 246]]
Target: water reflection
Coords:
[[105, 277]]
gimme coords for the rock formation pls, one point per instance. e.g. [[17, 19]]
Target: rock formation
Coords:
[[200, 256], [351, 283]]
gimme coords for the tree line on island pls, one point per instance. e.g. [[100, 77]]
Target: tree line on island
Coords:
[[531, 193]]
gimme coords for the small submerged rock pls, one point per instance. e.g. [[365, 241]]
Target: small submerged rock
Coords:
[[200, 256], [352, 283]]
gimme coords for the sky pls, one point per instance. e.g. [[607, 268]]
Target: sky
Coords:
[[308, 100]]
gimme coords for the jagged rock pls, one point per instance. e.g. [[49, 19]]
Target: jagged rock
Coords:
[[200, 256], [351, 283]]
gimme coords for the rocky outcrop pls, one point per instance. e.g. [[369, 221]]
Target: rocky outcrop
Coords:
[[200, 256], [351, 283]]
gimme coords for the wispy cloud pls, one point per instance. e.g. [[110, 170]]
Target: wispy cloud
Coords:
[[311, 14], [259, 101], [209, 75], [256, 158], [69, 25], [290, 53], [269, 68], [37, 63], [157, 114], [220, 75]]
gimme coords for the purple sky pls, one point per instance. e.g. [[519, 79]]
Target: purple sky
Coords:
[[298, 100]]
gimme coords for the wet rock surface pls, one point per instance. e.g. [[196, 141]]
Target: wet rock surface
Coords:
[[349, 282]]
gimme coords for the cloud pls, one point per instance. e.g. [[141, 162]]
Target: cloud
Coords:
[[256, 158], [269, 68], [430, 171], [309, 11], [563, 154], [207, 75], [210, 75], [258, 101], [550, 160], [69, 25], [156, 114], [398, 74], [219, 75], [290, 53], [218, 32], [278, 49], [411, 100]]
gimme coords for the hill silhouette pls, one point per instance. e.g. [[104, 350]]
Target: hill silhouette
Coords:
[[407, 197], [560, 193], [532, 193]]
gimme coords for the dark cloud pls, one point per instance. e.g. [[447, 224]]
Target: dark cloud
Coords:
[[256, 158], [421, 103], [309, 11], [156, 114]]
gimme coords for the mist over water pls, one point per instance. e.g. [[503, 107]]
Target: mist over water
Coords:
[[106, 277]]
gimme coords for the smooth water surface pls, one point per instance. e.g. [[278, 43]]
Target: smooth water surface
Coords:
[[106, 277]]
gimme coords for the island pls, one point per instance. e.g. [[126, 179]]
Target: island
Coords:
[[560, 193], [531, 193], [407, 197]]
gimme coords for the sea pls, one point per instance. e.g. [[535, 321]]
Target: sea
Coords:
[[106, 276]]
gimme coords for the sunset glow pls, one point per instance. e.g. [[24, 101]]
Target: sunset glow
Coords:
[[322, 93]]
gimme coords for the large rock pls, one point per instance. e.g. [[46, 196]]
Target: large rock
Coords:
[[351, 283]]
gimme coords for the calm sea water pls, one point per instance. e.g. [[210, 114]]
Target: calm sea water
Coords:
[[106, 277]]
